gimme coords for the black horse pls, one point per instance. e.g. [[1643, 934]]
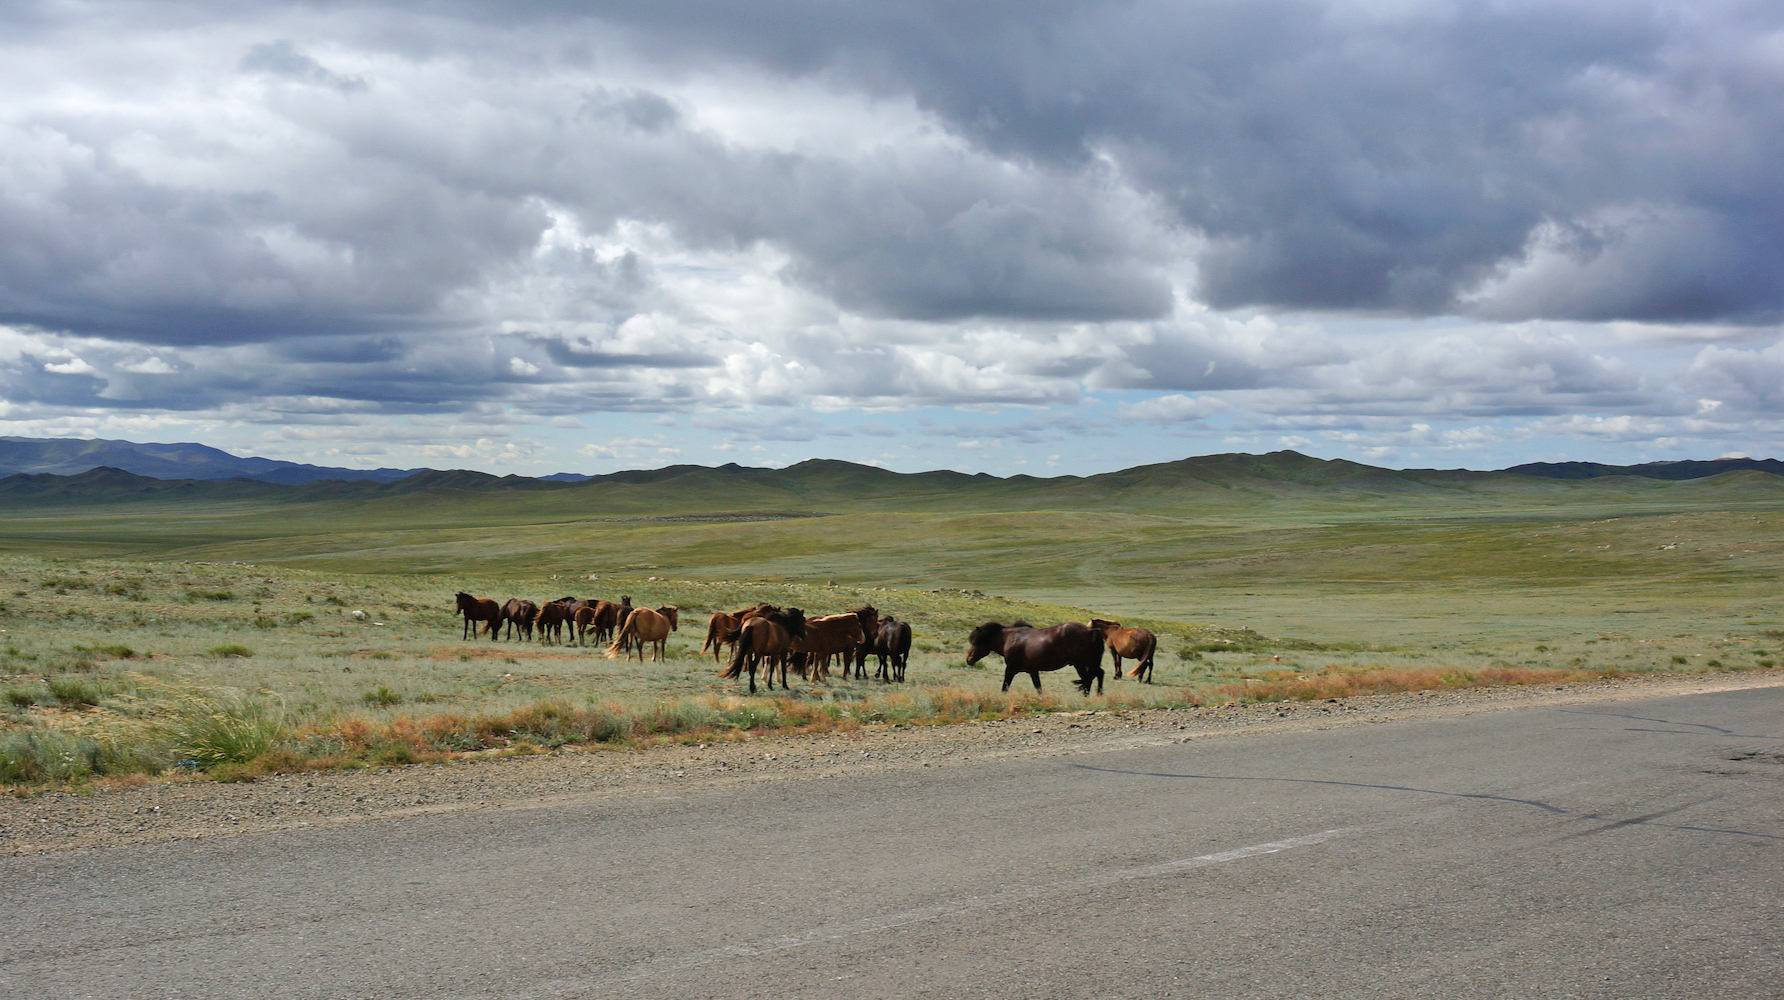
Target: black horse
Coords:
[[892, 643], [1029, 650]]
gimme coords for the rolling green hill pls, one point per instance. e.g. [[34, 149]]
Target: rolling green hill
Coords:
[[1283, 542]]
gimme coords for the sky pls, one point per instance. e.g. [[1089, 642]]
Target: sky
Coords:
[[1044, 236]]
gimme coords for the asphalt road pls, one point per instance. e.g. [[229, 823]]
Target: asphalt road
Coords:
[[1628, 850]]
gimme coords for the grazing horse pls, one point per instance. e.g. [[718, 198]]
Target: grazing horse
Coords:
[[645, 625], [599, 617], [550, 620], [825, 637], [893, 642], [722, 627], [869, 617], [1134, 643], [480, 609], [769, 637], [1029, 650], [519, 615]]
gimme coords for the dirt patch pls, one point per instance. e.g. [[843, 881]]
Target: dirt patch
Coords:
[[198, 808]]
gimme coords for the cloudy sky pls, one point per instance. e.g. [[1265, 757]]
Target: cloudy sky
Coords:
[[1040, 236]]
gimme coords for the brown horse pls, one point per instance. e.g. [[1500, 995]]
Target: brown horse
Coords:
[[722, 628], [646, 626], [825, 637], [892, 642], [550, 620], [1029, 650], [480, 609], [1134, 643], [769, 638], [519, 614]]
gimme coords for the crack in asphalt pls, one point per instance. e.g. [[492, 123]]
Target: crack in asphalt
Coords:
[[1534, 803]]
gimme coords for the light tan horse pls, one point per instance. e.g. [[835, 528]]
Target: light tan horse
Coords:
[[644, 625], [1134, 643]]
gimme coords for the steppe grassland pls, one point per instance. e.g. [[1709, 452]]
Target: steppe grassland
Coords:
[[158, 621]]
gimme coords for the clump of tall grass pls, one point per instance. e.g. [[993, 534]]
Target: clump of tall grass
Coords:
[[214, 731], [40, 756]]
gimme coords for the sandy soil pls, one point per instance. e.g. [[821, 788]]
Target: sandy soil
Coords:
[[197, 808]]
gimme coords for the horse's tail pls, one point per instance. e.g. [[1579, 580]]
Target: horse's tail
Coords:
[[713, 639], [738, 654], [619, 641]]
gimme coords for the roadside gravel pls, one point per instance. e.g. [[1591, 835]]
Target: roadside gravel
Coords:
[[197, 808]]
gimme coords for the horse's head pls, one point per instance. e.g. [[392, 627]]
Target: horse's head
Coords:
[[793, 620], [672, 613], [987, 638], [1103, 625]]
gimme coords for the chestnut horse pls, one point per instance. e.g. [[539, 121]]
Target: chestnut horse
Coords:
[[825, 637], [644, 625], [770, 638], [480, 609], [892, 642], [1029, 650], [1134, 643]]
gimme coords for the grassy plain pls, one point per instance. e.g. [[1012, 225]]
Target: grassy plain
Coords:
[[141, 613]]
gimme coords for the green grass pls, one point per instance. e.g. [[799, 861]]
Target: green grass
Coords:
[[1265, 581]]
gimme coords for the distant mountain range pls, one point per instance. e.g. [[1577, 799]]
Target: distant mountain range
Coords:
[[70, 457], [1649, 470]]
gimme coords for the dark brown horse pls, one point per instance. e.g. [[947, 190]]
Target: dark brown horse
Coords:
[[519, 614], [1134, 643], [870, 627], [722, 628], [550, 620], [768, 638], [1029, 650], [892, 644], [480, 609]]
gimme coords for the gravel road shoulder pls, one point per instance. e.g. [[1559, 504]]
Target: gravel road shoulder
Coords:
[[199, 808]]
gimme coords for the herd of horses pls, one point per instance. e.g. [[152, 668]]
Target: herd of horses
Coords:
[[764, 638]]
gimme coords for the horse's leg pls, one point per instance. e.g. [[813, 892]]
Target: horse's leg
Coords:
[[1010, 673], [1117, 658], [1035, 675]]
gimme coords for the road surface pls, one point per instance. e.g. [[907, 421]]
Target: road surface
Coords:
[[1625, 849]]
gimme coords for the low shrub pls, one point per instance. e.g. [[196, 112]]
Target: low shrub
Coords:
[[382, 696], [116, 652], [230, 649], [194, 594], [75, 692]]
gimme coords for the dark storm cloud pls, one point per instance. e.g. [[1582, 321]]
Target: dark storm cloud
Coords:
[[1581, 160]]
